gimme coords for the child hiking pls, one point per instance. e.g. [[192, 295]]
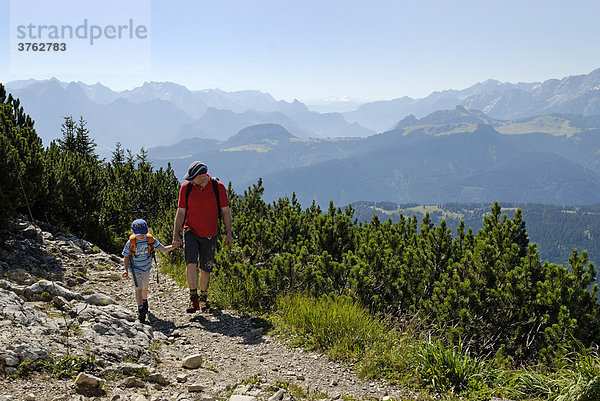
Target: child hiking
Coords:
[[137, 259]]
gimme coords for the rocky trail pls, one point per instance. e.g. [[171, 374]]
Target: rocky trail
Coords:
[[63, 301]]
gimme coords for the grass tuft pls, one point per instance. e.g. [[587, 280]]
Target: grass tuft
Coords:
[[345, 331]]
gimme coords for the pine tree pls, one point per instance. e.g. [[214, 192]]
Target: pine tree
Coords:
[[84, 144], [68, 142], [21, 160]]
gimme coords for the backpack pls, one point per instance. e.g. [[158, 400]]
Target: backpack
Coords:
[[132, 247], [215, 187]]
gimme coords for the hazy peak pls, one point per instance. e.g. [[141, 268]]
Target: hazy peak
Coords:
[[260, 133]]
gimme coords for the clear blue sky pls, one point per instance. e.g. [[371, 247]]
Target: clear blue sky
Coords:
[[364, 49]]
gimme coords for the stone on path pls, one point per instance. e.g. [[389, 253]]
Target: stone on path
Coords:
[[134, 382], [85, 383], [238, 397], [158, 378], [277, 396], [99, 300], [193, 361], [195, 388]]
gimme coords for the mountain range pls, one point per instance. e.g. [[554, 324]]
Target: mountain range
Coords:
[[159, 113], [579, 94], [448, 156], [524, 142]]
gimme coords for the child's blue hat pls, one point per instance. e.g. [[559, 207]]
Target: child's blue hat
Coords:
[[139, 226]]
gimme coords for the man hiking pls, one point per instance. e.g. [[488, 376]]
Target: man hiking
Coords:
[[198, 212]]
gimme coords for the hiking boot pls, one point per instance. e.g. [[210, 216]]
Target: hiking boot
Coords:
[[142, 312], [194, 304], [203, 301]]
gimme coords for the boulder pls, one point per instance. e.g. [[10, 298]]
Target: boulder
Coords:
[[99, 300]]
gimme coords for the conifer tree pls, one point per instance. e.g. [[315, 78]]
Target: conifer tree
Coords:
[[21, 160]]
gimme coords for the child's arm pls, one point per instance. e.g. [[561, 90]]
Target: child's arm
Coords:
[[126, 265], [167, 248]]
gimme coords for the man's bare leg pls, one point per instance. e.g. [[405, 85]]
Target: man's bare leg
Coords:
[[204, 280], [191, 275]]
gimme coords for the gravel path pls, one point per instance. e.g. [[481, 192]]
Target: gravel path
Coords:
[[237, 356], [234, 349]]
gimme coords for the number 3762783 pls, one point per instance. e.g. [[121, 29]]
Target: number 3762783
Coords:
[[42, 47]]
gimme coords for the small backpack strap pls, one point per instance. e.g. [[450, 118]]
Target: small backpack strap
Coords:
[[131, 245], [150, 240]]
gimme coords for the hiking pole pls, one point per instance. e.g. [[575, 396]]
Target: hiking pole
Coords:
[[156, 265]]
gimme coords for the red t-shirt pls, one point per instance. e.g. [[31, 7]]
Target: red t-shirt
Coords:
[[202, 217]]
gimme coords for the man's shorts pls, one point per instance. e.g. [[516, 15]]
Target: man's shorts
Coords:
[[140, 280], [203, 248]]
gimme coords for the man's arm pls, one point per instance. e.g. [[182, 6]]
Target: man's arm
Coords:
[[179, 217], [227, 222]]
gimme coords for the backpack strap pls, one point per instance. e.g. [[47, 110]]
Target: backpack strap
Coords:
[[150, 240], [215, 186], [188, 190], [131, 245]]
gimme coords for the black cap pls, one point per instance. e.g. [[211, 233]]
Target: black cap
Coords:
[[195, 169]]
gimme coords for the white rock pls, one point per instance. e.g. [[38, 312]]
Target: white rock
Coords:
[[52, 287], [237, 397], [99, 299], [193, 361], [195, 388]]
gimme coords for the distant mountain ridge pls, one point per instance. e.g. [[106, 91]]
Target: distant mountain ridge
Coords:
[[579, 94], [448, 156], [216, 114], [173, 113], [435, 154]]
